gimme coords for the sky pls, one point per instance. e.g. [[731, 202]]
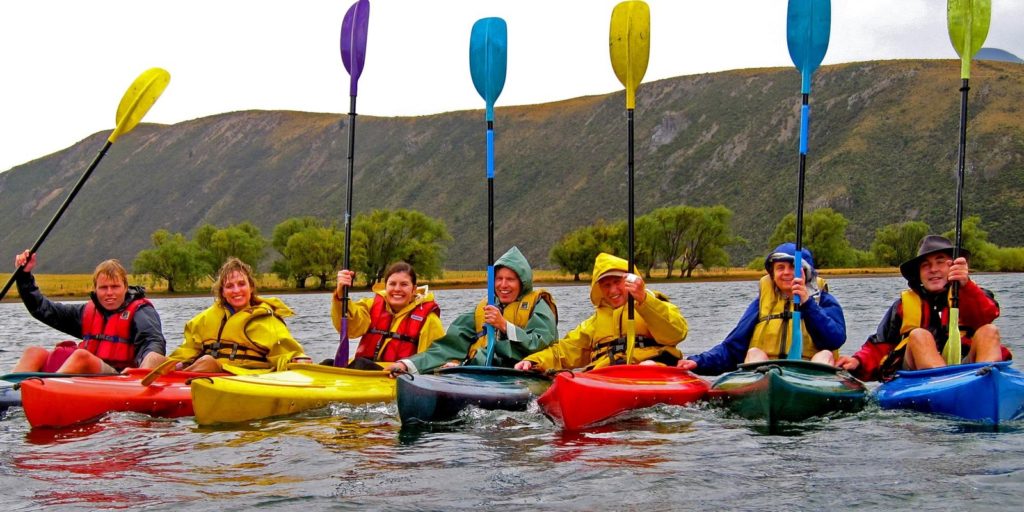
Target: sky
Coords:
[[66, 63]]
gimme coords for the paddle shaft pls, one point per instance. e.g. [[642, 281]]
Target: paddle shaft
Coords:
[[491, 339], [961, 164], [630, 307], [56, 216], [341, 356], [796, 344]]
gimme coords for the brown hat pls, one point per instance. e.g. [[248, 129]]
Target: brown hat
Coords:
[[931, 244]]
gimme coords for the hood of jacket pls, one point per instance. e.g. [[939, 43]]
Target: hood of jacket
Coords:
[[516, 262], [602, 265]]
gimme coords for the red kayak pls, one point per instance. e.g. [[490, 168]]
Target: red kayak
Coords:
[[578, 400], [63, 402]]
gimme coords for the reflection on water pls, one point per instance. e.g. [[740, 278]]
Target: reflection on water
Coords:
[[359, 457]]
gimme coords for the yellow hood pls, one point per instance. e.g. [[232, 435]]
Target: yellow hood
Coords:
[[602, 264]]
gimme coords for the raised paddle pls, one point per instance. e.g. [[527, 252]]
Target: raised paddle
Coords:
[[807, 29], [353, 56], [968, 22], [488, 58], [137, 100], [629, 45]]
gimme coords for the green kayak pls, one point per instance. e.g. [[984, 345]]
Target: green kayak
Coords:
[[788, 390]]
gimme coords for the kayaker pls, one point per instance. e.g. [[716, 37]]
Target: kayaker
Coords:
[[119, 327], [601, 339], [914, 329], [398, 321], [525, 321], [240, 328], [765, 331]]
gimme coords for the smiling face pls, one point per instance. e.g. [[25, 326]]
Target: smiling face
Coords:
[[110, 292], [614, 290], [236, 290], [935, 271], [399, 290], [506, 285], [782, 275]]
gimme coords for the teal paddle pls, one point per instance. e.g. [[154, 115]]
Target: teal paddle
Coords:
[[968, 22], [807, 30], [137, 100], [353, 56], [488, 59], [629, 45]]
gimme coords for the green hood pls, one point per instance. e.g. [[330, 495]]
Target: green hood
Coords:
[[516, 262]]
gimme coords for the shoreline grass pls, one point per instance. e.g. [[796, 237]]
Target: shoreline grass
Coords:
[[78, 286]]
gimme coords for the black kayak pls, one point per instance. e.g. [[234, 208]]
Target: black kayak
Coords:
[[439, 397]]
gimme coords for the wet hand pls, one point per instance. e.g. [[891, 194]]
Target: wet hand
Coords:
[[345, 278], [524, 366], [636, 287], [450, 364], [493, 317], [397, 368], [26, 258], [848, 363], [205, 364], [799, 289], [958, 271], [687, 364]]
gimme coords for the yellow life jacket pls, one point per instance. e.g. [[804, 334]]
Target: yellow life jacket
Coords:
[[912, 317], [231, 343], [517, 312], [773, 322]]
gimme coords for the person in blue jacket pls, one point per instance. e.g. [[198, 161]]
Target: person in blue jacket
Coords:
[[765, 329]]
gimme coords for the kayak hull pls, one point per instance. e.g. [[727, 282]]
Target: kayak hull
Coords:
[[579, 400], [9, 396], [61, 402], [990, 393], [788, 390], [441, 396], [300, 387]]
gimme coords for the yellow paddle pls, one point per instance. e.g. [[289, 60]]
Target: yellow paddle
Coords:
[[968, 22], [629, 45], [136, 101], [163, 369]]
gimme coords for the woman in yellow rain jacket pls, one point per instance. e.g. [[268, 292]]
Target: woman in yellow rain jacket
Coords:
[[601, 339], [240, 328]]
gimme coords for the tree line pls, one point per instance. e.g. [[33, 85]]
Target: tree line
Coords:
[[684, 237]]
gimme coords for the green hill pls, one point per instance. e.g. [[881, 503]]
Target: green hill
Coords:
[[883, 149]]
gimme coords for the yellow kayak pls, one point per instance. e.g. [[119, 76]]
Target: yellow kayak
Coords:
[[301, 387]]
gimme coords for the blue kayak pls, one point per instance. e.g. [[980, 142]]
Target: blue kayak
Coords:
[[9, 396], [441, 396], [990, 393]]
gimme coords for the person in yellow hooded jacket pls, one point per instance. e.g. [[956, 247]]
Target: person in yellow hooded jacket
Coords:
[[601, 339], [525, 320], [396, 322], [240, 329]]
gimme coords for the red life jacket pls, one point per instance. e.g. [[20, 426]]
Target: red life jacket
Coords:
[[380, 344], [109, 336]]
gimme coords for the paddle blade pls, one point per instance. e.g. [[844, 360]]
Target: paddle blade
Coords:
[[951, 352], [808, 23], [138, 99], [162, 369], [353, 41], [488, 59], [968, 22], [629, 44]]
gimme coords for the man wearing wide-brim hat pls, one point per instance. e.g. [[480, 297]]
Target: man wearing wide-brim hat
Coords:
[[914, 330]]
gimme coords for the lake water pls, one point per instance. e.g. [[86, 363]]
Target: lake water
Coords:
[[666, 458]]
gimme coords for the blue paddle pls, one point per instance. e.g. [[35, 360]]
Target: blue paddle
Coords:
[[968, 22], [488, 58], [353, 55], [807, 29]]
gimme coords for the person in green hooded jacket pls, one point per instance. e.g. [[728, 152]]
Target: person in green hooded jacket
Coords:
[[524, 320]]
